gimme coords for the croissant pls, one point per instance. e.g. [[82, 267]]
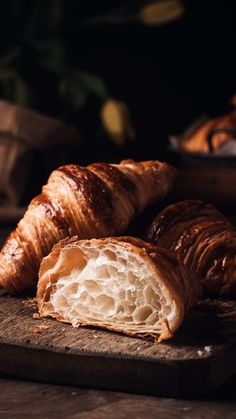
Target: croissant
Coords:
[[117, 283], [202, 238], [212, 135], [97, 201]]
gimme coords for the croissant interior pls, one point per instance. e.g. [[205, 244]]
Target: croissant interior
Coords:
[[114, 284]]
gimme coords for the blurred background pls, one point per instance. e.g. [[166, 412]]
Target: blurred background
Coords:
[[125, 74]]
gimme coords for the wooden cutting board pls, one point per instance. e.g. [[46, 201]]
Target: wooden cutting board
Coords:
[[200, 358]]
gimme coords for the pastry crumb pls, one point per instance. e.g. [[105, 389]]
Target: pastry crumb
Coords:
[[39, 329], [30, 302], [206, 348], [36, 316], [43, 327], [35, 331]]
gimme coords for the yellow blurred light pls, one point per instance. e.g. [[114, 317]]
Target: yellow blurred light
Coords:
[[116, 121], [161, 12]]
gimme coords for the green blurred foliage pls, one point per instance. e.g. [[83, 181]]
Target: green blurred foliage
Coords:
[[36, 69], [35, 43]]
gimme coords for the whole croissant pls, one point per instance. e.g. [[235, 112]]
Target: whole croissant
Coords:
[[202, 239], [117, 283], [97, 201]]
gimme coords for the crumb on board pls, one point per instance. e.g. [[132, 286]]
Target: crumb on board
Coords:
[[35, 331], [207, 349], [30, 302], [39, 329], [36, 316]]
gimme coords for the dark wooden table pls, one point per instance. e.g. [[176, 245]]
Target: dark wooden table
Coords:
[[24, 399]]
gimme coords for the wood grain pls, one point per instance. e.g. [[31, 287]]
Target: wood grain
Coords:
[[199, 359]]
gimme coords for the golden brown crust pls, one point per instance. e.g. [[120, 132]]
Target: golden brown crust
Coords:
[[203, 239], [182, 287], [212, 135], [97, 201]]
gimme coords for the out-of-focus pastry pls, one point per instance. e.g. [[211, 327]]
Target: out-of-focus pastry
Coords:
[[202, 238], [211, 136]]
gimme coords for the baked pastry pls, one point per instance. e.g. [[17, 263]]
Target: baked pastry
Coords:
[[211, 135], [117, 283], [97, 201], [202, 238]]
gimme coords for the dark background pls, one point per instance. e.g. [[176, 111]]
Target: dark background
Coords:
[[168, 75]]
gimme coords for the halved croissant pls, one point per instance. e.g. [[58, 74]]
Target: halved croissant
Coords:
[[202, 238], [118, 283], [97, 201]]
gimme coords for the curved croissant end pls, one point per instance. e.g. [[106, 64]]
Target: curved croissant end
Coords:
[[97, 201], [202, 238], [119, 283]]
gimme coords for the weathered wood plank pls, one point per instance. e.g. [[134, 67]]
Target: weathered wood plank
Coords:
[[200, 358]]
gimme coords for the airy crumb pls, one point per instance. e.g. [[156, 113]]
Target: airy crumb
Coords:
[[200, 353]]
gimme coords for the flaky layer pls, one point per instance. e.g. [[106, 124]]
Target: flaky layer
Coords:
[[97, 201], [122, 284], [202, 239]]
